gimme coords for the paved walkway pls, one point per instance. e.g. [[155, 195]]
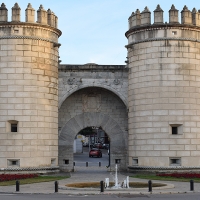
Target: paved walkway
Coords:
[[96, 174]]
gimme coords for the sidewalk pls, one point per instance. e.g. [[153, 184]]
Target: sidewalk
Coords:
[[97, 174]]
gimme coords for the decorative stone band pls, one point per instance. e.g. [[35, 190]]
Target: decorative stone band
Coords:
[[161, 27], [30, 37], [31, 169], [160, 39], [163, 168]]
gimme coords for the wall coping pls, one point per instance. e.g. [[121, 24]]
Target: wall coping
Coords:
[[93, 67]]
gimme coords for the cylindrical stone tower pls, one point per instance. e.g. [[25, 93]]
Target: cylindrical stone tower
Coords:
[[164, 90], [28, 90]]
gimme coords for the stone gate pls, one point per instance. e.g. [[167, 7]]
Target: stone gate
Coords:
[[93, 95]]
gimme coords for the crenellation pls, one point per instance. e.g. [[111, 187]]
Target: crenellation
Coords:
[[30, 14], [41, 15], [3, 13], [143, 19], [51, 18], [158, 15], [130, 20], [136, 18], [173, 15], [146, 17], [56, 21], [186, 16], [16, 13], [195, 17]]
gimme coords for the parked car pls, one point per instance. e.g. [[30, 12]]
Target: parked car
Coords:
[[98, 145], [95, 153], [106, 146]]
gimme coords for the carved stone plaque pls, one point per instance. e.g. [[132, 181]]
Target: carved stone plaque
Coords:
[[91, 102]]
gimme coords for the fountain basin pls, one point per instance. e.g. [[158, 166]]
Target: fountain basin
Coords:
[[132, 186]]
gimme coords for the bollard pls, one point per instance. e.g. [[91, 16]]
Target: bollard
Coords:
[[74, 163], [150, 186], [101, 186], [191, 185], [56, 186], [86, 164], [99, 164], [17, 186]]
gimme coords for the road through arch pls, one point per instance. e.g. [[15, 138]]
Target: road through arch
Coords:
[[76, 124]]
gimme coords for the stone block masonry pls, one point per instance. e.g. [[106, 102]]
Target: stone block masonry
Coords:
[[164, 68], [159, 89], [93, 95], [29, 89]]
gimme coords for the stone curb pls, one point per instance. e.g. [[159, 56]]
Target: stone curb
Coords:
[[102, 193], [168, 186]]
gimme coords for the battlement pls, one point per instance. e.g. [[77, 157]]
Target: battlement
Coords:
[[139, 19], [46, 17]]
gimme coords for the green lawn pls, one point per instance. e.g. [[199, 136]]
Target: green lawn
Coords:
[[154, 177], [38, 179]]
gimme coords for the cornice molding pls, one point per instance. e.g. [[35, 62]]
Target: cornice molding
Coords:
[[161, 39], [139, 29], [30, 25], [29, 37]]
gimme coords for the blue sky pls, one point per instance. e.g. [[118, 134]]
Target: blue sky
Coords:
[[93, 30]]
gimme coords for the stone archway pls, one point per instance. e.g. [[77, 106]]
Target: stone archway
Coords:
[[118, 138]]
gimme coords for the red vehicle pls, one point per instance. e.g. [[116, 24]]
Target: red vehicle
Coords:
[[95, 153]]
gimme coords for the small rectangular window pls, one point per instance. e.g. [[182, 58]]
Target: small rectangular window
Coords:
[[135, 161], [175, 161], [53, 161], [117, 161], [13, 127], [174, 130], [174, 32], [66, 162], [13, 163]]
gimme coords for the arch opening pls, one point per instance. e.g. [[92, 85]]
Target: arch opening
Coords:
[[117, 137], [93, 107], [92, 146]]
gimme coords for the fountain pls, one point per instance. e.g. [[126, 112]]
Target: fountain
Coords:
[[117, 185], [106, 182]]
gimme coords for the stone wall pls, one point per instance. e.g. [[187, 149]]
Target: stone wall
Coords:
[[75, 77]]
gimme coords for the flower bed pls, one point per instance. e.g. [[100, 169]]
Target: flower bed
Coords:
[[180, 175], [11, 177]]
